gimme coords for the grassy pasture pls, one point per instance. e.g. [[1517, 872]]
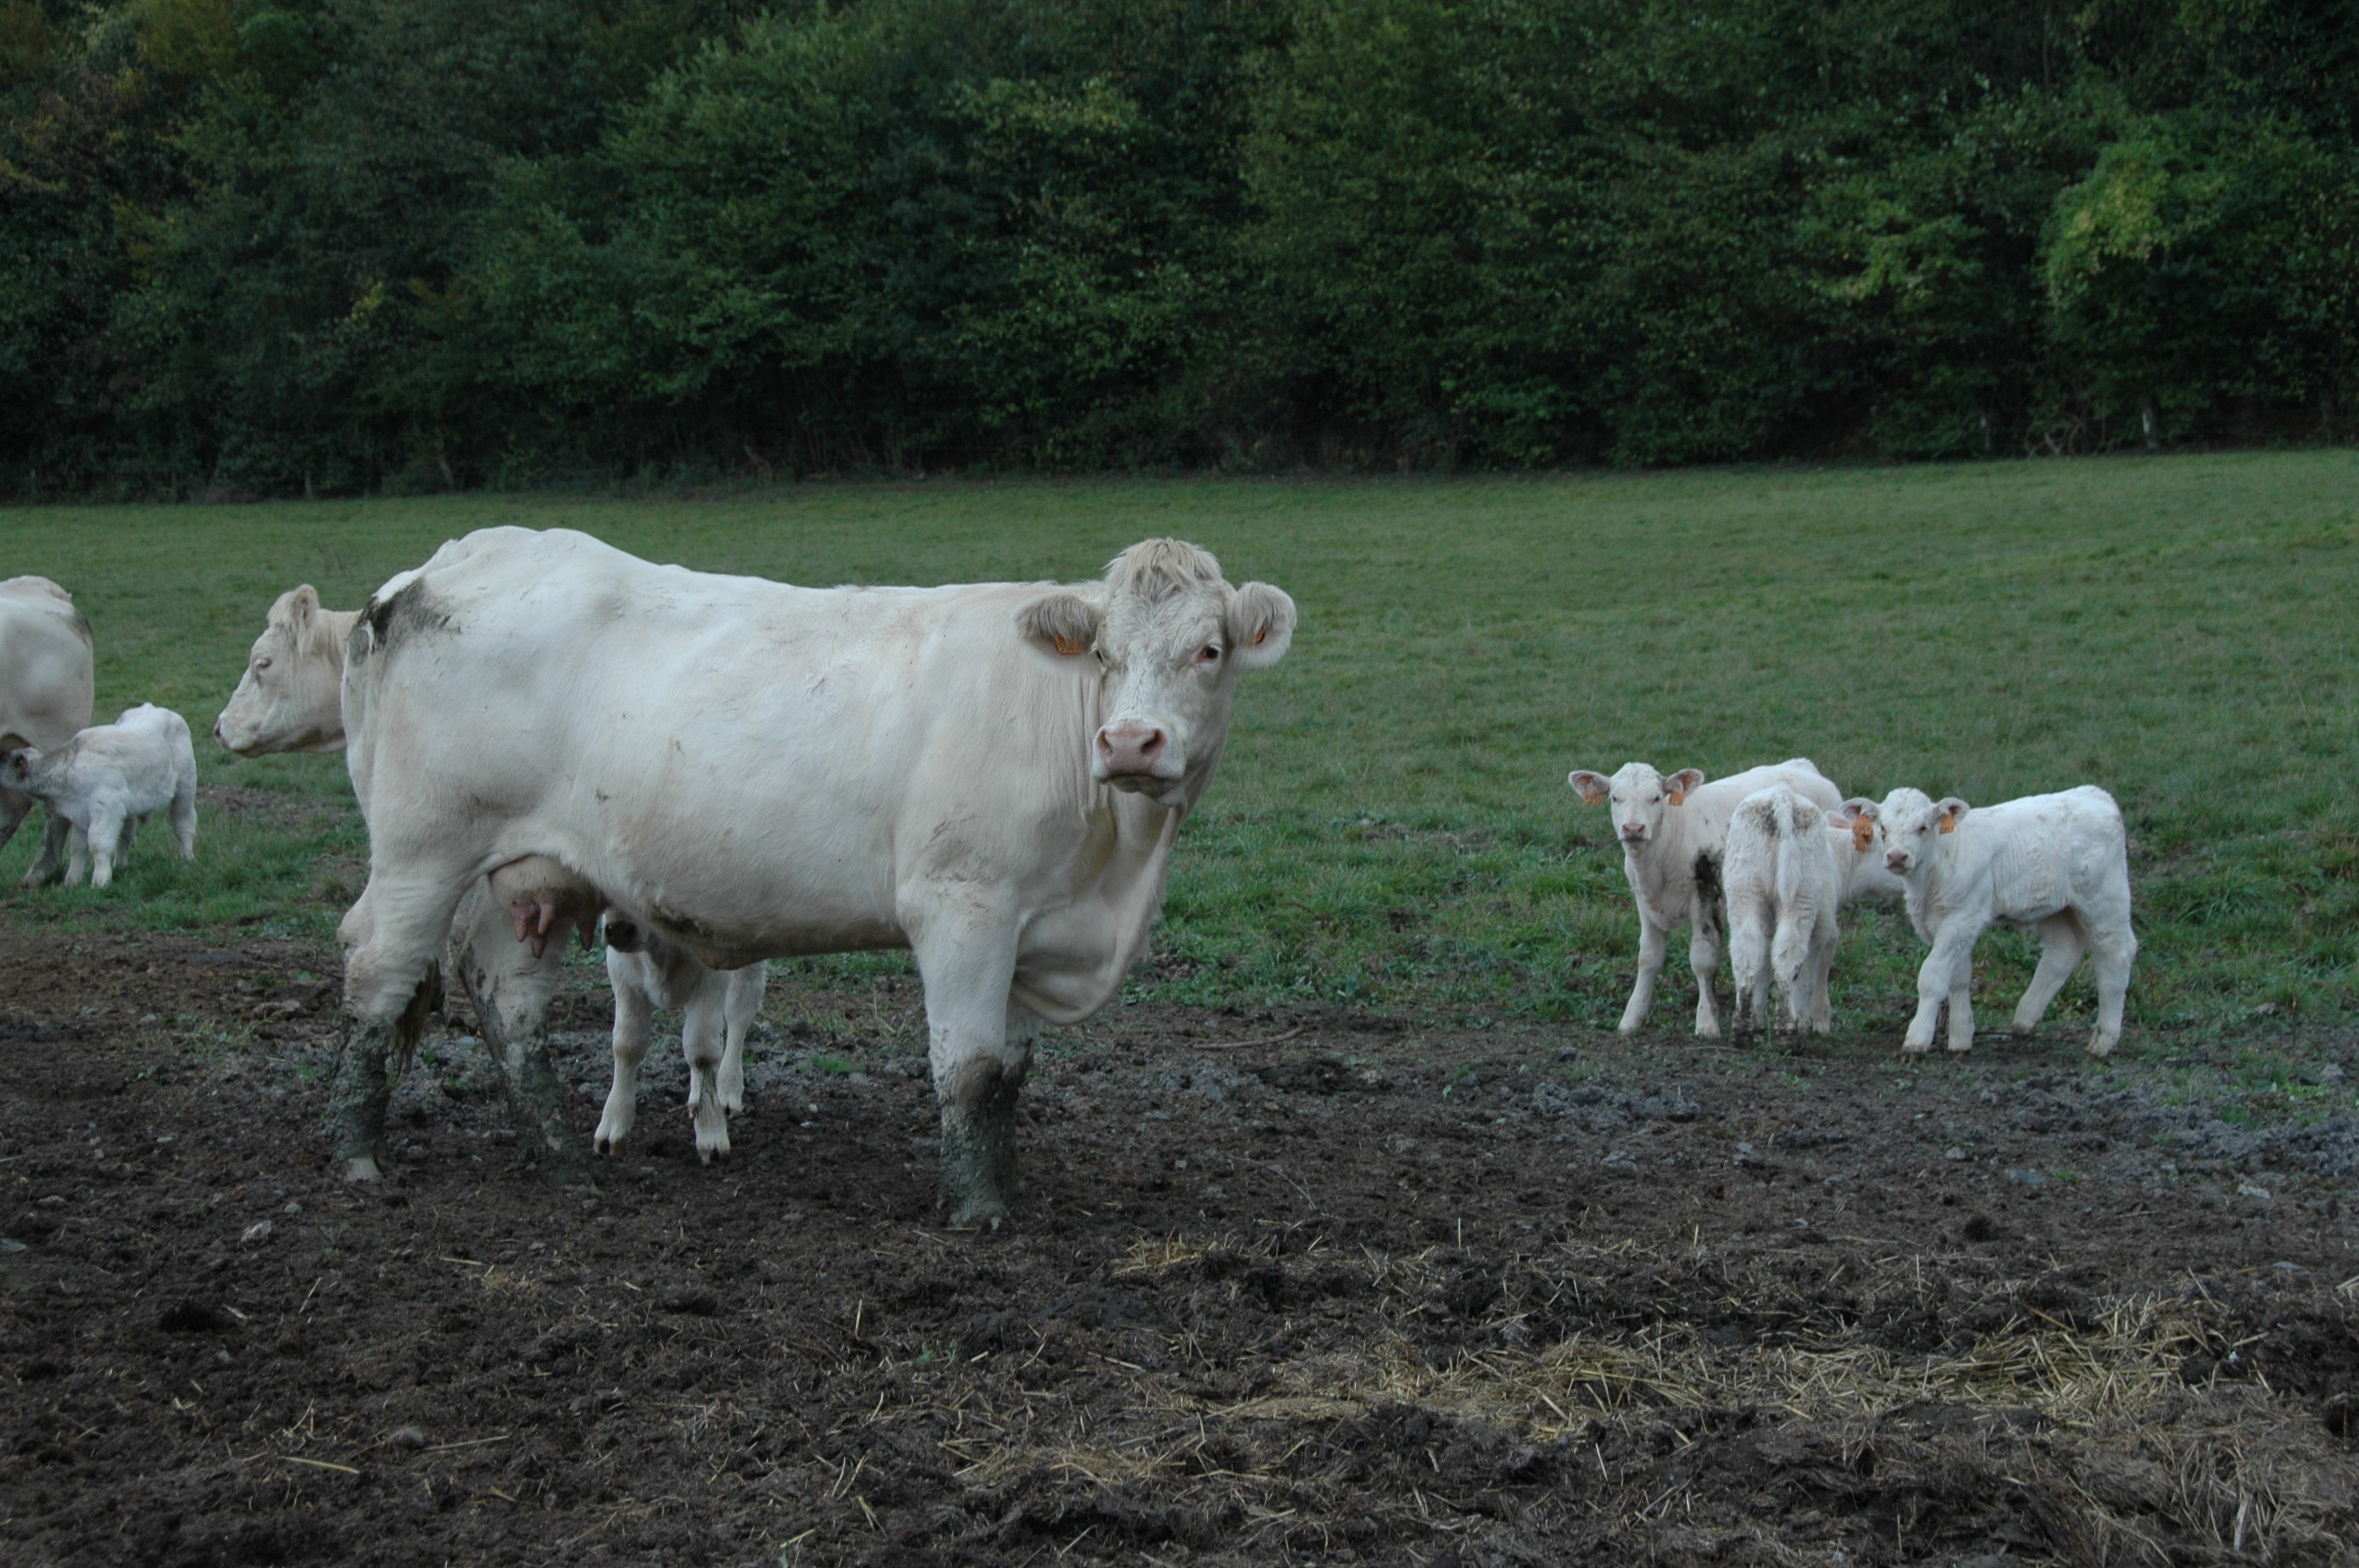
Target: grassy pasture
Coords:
[[1391, 829]]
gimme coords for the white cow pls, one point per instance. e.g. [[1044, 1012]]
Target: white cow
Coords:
[[991, 775], [107, 778], [45, 698], [1673, 832], [2055, 863], [1791, 868], [291, 700]]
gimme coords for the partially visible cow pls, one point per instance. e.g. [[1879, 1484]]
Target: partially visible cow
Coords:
[[107, 779], [992, 774], [717, 1007], [290, 699], [1673, 832], [45, 698], [1791, 868], [2057, 864]]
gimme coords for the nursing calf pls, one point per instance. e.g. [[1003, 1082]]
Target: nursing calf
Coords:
[[717, 1008], [1674, 833], [2056, 863], [106, 779]]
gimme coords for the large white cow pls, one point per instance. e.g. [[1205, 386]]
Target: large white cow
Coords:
[[1674, 832], [2056, 863], [45, 693], [290, 699], [990, 774]]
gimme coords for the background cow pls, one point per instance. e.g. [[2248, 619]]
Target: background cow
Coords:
[[991, 775], [2056, 863], [46, 690], [1673, 833], [110, 777]]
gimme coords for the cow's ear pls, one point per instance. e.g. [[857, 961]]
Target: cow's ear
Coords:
[[1857, 814], [1063, 623], [1684, 783], [295, 609], [12, 741], [1261, 625], [1593, 786], [1952, 812]]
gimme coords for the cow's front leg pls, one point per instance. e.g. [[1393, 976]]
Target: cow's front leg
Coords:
[[979, 1064], [510, 988], [390, 986], [1947, 970], [1654, 945]]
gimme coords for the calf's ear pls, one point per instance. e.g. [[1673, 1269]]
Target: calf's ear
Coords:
[[1952, 812], [1062, 624], [1683, 784], [1593, 786], [1858, 815], [12, 741], [1261, 625]]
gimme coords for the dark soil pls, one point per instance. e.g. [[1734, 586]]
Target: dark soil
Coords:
[[1282, 1287]]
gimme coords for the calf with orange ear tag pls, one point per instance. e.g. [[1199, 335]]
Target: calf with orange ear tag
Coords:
[[2057, 864], [1673, 831]]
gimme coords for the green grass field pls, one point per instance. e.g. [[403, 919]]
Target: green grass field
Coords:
[[1391, 830]]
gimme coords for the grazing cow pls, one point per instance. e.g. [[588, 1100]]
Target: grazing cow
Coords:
[[1673, 832], [990, 774], [108, 777], [2055, 863], [716, 1006], [1791, 868], [45, 698], [291, 700]]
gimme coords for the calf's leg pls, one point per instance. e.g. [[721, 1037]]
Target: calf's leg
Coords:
[[701, 1032], [2116, 948], [744, 1005], [2062, 942], [107, 831], [1654, 945], [633, 1027], [1703, 956]]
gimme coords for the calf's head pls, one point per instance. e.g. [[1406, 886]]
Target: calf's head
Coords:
[[1168, 635], [290, 697], [1908, 826], [1641, 796], [17, 760]]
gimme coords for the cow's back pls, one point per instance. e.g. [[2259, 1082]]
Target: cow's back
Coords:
[[2046, 852], [46, 671], [774, 748]]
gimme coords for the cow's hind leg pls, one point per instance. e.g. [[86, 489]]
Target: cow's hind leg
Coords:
[[745, 1004], [1703, 957], [184, 816], [510, 988], [979, 1064], [391, 983], [2117, 950], [2062, 942]]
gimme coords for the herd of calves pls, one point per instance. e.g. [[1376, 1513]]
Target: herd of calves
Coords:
[[1767, 856]]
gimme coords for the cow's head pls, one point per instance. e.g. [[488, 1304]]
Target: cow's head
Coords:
[[1168, 635], [290, 699], [1640, 796], [1909, 825]]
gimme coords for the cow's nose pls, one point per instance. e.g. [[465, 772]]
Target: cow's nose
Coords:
[[1131, 748], [1896, 861], [1634, 830]]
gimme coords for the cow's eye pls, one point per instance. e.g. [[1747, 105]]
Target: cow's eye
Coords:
[[1209, 654], [261, 664]]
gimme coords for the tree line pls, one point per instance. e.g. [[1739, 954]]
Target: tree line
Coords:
[[327, 246]]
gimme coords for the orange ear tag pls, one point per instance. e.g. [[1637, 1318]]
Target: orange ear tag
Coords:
[[1679, 797], [1863, 832], [1950, 823], [1261, 636], [1066, 646]]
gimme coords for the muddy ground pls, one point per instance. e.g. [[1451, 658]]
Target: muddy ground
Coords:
[[1284, 1286]]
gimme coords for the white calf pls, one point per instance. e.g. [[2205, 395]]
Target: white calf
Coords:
[[108, 777], [716, 1009], [1673, 832], [2055, 863], [1791, 868]]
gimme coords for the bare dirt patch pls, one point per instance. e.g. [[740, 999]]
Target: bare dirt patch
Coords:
[[1282, 1286]]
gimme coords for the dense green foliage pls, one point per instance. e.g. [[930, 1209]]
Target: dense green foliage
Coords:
[[274, 246], [1391, 827]]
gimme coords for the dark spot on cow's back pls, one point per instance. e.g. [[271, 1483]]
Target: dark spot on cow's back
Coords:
[[410, 611]]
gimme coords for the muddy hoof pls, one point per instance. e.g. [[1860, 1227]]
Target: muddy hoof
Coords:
[[986, 1212], [361, 1168]]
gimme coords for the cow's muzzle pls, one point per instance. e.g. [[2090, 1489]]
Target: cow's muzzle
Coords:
[[1634, 833], [1133, 755], [1895, 860]]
